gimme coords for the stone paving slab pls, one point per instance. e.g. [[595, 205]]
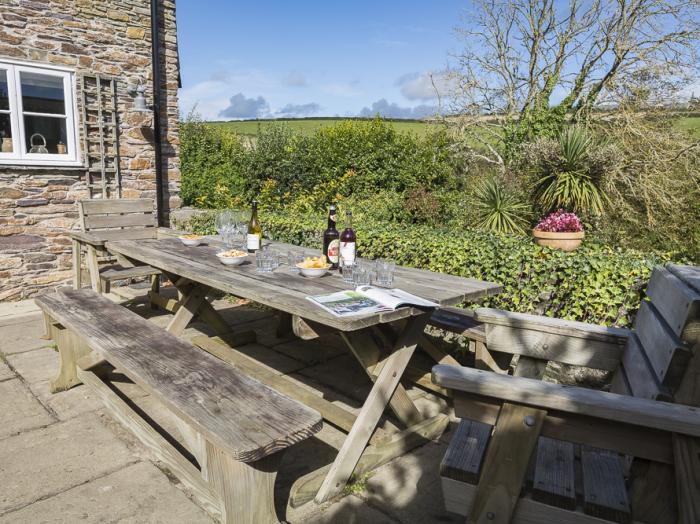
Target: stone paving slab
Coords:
[[5, 371], [23, 336], [39, 367], [138, 493], [409, 487], [19, 410], [41, 463], [313, 351]]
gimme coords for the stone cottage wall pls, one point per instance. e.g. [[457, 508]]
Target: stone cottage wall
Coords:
[[37, 205]]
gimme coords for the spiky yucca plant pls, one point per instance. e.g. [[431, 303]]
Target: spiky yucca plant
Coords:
[[571, 184], [498, 210]]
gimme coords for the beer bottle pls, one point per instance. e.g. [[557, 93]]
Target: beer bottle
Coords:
[[331, 244], [348, 243], [253, 239]]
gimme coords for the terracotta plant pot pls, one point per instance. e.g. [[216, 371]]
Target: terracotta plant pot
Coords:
[[565, 241]]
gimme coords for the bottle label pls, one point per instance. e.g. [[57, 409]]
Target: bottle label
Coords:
[[252, 241], [347, 253], [333, 251]]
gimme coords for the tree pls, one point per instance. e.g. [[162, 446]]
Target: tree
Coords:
[[529, 66]]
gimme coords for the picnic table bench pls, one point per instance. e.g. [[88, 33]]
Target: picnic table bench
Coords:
[[236, 427], [530, 451], [383, 344]]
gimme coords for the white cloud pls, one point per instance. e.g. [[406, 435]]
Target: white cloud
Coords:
[[393, 110], [240, 107], [422, 86], [295, 110]]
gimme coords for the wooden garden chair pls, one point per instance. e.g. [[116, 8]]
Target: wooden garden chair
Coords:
[[531, 451], [112, 219]]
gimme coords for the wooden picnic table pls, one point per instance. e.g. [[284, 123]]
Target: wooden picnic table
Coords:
[[195, 271]]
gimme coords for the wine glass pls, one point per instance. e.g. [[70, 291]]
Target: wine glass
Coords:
[[223, 225]]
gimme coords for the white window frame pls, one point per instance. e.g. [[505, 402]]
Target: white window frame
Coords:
[[18, 157]]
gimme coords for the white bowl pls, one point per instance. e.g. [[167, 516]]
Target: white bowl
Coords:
[[191, 242], [313, 272], [231, 261]]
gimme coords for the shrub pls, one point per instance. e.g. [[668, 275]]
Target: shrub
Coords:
[[213, 163], [569, 171], [593, 284], [498, 210]]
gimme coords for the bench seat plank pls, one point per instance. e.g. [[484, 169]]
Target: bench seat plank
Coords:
[[232, 410]]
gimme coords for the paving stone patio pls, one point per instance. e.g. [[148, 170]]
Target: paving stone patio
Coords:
[[62, 459]]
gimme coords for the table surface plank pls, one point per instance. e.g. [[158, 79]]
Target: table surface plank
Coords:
[[288, 291]]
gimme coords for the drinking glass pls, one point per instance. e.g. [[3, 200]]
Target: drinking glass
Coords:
[[264, 261], [223, 225], [385, 272], [294, 258], [348, 272], [361, 275]]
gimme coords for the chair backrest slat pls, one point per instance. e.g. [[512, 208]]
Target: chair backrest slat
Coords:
[[656, 358], [133, 218], [676, 301]]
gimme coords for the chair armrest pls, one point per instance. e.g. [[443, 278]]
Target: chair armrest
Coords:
[[87, 238], [552, 325], [677, 418]]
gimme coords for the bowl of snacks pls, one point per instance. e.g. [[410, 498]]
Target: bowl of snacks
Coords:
[[191, 240], [232, 257], [314, 267]]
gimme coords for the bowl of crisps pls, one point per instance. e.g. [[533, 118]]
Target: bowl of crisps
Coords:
[[314, 267], [191, 240], [232, 257]]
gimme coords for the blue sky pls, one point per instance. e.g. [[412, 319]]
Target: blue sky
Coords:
[[313, 58]]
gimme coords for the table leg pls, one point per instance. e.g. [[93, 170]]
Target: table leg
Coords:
[[93, 268], [77, 263], [192, 301], [377, 400], [368, 353]]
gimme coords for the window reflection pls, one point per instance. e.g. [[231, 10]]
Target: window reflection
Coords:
[[45, 135], [5, 133], [4, 91], [42, 93]]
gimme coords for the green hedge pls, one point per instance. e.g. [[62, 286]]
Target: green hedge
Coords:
[[593, 284]]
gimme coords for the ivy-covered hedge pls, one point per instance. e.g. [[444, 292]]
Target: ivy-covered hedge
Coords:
[[593, 284]]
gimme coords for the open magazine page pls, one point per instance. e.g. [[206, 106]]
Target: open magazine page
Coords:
[[348, 303], [393, 298]]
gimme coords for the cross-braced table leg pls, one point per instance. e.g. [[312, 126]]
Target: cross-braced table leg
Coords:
[[194, 303], [385, 386]]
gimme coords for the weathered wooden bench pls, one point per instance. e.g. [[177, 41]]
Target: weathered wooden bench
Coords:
[[531, 451], [235, 427], [112, 219]]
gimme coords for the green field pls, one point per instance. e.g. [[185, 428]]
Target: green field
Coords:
[[307, 126]]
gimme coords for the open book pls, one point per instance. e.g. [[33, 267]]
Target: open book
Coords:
[[367, 299]]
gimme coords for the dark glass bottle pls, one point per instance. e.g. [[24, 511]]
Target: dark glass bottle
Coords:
[[348, 243], [331, 242]]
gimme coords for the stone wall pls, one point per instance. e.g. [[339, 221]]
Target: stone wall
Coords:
[[37, 205]]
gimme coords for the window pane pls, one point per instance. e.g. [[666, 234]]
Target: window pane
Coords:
[[45, 129], [5, 133], [42, 93], [4, 91]]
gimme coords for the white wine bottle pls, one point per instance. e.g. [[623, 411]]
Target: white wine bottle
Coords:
[[253, 239]]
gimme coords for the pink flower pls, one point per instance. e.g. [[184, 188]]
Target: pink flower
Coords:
[[560, 222]]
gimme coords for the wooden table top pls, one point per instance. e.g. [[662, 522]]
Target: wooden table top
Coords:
[[287, 291]]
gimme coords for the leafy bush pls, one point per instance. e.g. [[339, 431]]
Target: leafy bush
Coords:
[[569, 171], [593, 284], [213, 163], [498, 210]]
